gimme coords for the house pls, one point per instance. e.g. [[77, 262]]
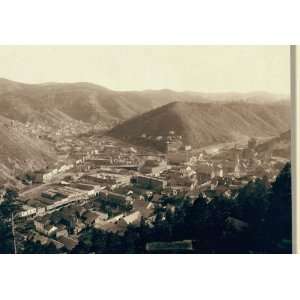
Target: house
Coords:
[[173, 146], [145, 208], [150, 182], [61, 231], [101, 216], [50, 194], [115, 198], [41, 222], [80, 210], [70, 220], [79, 227], [68, 242], [50, 229], [90, 217], [112, 227], [132, 219], [56, 217], [57, 244], [40, 238], [115, 219], [44, 226], [91, 190]]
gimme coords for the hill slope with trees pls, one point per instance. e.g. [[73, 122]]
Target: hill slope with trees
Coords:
[[203, 124]]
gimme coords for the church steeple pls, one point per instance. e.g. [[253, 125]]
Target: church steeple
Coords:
[[237, 169]]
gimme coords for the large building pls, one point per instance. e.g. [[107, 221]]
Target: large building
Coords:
[[108, 179], [174, 146], [148, 182], [114, 198]]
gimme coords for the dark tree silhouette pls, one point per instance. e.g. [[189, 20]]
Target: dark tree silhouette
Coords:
[[279, 220]]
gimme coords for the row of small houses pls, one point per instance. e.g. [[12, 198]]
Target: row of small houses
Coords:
[[78, 195], [47, 177]]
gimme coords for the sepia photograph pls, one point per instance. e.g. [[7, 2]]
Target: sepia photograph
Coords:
[[149, 149], [115, 149]]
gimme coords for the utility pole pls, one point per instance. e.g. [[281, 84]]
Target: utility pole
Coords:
[[13, 232]]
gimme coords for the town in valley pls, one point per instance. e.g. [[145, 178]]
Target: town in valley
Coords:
[[103, 183]]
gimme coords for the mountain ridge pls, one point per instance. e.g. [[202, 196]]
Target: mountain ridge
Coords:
[[58, 105], [203, 124]]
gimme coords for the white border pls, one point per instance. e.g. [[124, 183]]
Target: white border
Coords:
[[150, 277], [149, 22]]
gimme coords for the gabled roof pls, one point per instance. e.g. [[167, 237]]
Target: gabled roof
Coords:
[[90, 217], [68, 242], [111, 227], [133, 218], [145, 208], [44, 220]]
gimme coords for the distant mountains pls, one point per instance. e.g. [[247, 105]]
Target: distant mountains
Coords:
[[203, 124], [51, 103], [79, 101]]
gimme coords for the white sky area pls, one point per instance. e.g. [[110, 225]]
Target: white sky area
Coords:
[[180, 68]]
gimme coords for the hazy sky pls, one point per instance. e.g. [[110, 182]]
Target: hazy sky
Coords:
[[193, 68]]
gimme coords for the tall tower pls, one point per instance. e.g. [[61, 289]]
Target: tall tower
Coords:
[[237, 168], [221, 173]]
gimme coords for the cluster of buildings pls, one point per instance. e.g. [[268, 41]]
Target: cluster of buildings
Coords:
[[170, 142], [48, 176], [64, 129], [57, 196], [110, 185]]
